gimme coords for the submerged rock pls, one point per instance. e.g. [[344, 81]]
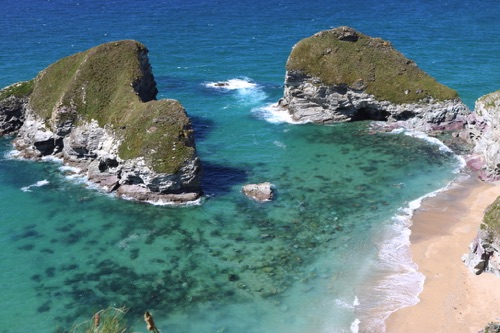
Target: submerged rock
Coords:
[[98, 111], [259, 192], [343, 75]]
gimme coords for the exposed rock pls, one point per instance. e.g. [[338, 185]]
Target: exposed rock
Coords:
[[491, 328], [483, 129], [259, 192], [13, 102], [102, 117], [342, 75], [484, 251]]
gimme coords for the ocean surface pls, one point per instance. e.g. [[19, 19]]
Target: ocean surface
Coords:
[[329, 254]]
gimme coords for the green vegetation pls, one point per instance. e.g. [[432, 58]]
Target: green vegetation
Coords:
[[369, 64], [99, 84], [491, 220], [20, 89], [490, 100]]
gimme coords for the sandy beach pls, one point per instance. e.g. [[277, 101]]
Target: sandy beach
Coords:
[[453, 299]]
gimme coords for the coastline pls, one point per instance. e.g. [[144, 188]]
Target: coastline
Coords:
[[453, 298]]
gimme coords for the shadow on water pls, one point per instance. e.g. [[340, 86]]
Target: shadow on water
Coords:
[[202, 127], [218, 179], [166, 83]]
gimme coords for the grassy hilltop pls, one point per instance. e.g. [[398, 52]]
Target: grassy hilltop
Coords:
[[343, 56], [112, 83]]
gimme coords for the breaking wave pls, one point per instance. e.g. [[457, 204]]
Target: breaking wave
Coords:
[[274, 114], [232, 84], [37, 184]]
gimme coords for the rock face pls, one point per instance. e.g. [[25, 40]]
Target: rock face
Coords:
[[342, 75], [484, 251], [484, 131], [259, 192], [97, 111], [13, 102]]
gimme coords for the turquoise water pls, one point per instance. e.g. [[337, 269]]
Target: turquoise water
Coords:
[[329, 254]]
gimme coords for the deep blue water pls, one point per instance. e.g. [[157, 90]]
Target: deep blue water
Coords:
[[320, 258]]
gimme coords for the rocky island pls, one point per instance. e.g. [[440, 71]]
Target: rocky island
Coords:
[[97, 110], [342, 75]]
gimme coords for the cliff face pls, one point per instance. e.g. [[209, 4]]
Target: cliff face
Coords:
[[484, 131], [342, 75], [97, 110], [484, 251]]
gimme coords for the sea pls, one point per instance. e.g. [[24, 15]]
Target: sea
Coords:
[[330, 253]]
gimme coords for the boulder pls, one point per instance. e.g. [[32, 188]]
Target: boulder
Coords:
[[260, 192]]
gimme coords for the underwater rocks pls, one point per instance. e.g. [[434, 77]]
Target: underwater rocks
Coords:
[[260, 192], [97, 110], [341, 75]]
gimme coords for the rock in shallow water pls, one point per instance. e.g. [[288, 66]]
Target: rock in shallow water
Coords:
[[260, 192]]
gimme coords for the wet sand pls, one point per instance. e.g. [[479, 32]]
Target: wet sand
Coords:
[[453, 299]]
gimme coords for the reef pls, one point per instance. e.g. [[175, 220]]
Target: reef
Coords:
[[342, 75], [97, 110]]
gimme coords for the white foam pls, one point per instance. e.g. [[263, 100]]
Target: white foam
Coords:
[[37, 184], [50, 158], [274, 114], [279, 144], [232, 84], [196, 202], [434, 141], [70, 169], [403, 282], [13, 154], [355, 325]]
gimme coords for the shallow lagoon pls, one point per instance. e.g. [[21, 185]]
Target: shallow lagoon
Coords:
[[228, 262]]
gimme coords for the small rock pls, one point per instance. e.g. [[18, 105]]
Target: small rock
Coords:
[[259, 192]]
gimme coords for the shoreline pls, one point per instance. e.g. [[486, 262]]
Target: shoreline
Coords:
[[453, 298]]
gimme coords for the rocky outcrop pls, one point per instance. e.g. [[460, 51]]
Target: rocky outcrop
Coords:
[[102, 117], [342, 75], [483, 254], [13, 102], [483, 129], [260, 192], [491, 328], [484, 251]]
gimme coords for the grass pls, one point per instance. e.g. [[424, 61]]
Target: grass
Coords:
[[99, 84], [20, 89], [491, 220], [370, 63]]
